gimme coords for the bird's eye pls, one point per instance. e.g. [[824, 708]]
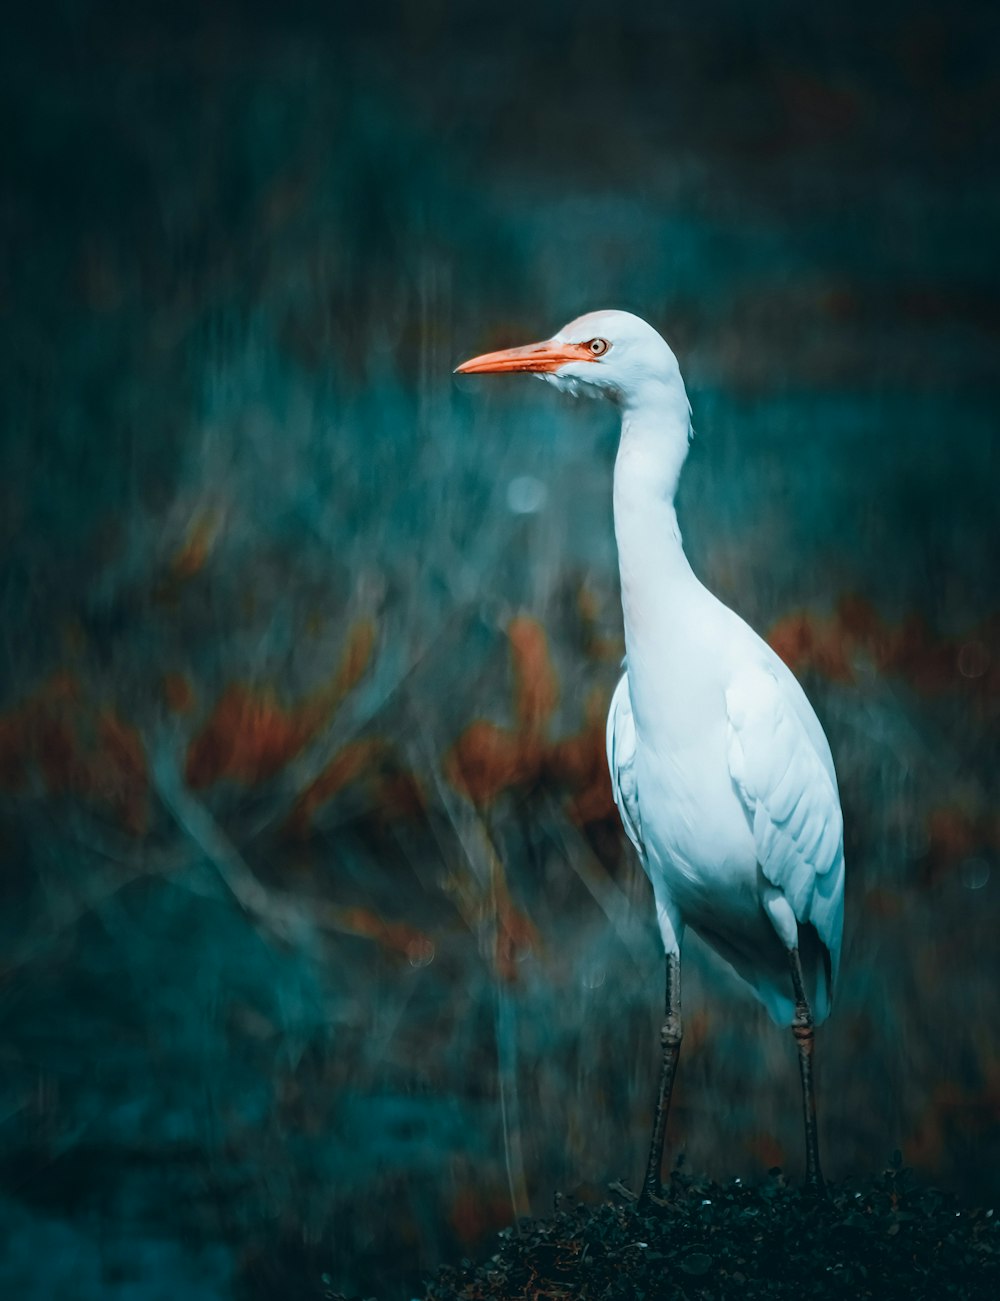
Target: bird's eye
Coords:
[[598, 347]]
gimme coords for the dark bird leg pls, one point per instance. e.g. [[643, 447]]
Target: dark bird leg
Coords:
[[802, 1028], [670, 1045]]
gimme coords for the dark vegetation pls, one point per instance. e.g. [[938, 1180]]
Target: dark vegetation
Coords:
[[881, 1238]]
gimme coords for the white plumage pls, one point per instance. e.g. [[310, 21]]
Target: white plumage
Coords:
[[621, 763], [721, 771]]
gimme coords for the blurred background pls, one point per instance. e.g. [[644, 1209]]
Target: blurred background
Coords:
[[321, 952]]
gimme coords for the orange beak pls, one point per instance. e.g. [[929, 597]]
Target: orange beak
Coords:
[[532, 357]]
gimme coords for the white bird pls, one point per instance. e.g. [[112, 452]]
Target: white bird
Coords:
[[721, 771]]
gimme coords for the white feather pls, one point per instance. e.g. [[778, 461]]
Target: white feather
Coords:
[[791, 801], [621, 763]]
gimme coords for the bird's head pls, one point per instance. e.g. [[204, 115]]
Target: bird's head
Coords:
[[602, 354]]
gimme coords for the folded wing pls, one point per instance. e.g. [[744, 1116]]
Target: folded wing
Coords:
[[791, 803]]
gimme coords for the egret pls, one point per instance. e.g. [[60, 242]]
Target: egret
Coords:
[[721, 771]]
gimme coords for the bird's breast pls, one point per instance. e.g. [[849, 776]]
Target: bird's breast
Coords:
[[694, 825]]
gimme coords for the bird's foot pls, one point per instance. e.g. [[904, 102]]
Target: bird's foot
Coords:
[[616, 1186]]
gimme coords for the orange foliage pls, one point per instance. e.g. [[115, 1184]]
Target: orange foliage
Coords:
[[397, 936], [536, 691], [249, 738], [580, 763], [117, 771], [191, 556], [807, 641], [488, 759], [855, 631], [346, 766], [250, 735], [395, 792], [96, 756], [178, 693]]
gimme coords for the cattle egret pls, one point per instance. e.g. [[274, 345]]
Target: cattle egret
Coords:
[[721, 771]]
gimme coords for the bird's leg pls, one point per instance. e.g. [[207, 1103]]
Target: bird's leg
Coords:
[[670, 1047], [802, 1028]]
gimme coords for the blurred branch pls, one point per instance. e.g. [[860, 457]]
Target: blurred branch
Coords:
[[287, 917], [279, 913], [306, 768]]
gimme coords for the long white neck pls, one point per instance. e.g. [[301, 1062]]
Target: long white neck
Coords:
[[653, 447]]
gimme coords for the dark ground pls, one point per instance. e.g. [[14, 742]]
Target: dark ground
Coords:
[[881, 1238]]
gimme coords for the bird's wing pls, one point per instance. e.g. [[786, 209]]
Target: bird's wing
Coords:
[[621, 762], [791, 802]]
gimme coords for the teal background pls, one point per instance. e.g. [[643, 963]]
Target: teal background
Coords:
[[300, 978]]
